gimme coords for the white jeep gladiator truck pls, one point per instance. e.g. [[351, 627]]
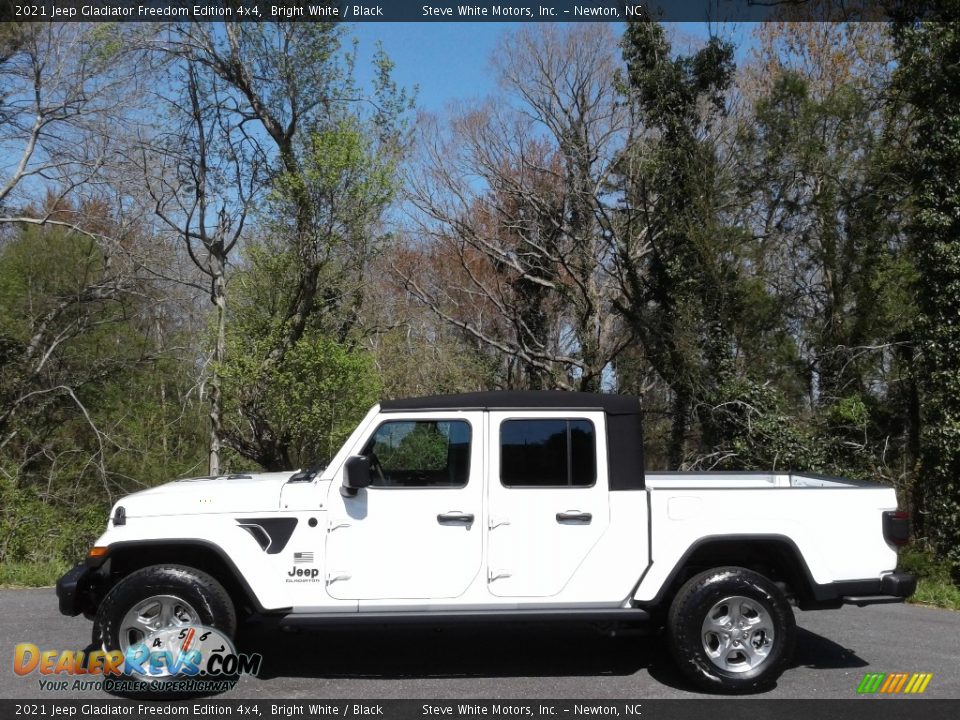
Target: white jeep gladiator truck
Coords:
[[500, 506]]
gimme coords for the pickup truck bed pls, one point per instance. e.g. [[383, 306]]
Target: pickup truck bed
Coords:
[[831, 527]]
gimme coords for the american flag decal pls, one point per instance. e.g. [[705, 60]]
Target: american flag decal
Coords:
[[303, 557]]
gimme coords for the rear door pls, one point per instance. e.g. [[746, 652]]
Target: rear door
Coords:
[[548, 499]]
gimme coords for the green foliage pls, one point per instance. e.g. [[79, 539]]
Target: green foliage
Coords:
[[822, 167], [105, 42], [348, 182], [318, 394], [749, 427], [680, 299], [849, 413], [935, 586], [921, 562], [324, 218], [312, 397], [410, 367], [157, 433], [807, 364], [670, 89], [311, 400], [37, 529], [938, 593], [413, 446], [39, 268], [928, 77]]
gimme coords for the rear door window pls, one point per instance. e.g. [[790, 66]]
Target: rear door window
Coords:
[[548, 453]]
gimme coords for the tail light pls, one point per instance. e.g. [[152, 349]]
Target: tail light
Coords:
[[896, 527]]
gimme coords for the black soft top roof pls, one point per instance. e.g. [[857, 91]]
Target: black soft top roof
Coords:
[[520, 400], [624, 421]]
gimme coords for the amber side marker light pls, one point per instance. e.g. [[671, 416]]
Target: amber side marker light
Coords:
[[97, 552]]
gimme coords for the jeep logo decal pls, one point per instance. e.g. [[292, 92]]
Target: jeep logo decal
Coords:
[[302, 574]]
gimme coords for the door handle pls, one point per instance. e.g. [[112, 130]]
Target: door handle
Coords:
[[574, 516], [495, 522], [455, 517]]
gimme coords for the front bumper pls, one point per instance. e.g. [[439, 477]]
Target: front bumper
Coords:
[[75, 591]]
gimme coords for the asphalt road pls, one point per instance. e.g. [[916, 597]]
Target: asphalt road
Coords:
[[834, 650]]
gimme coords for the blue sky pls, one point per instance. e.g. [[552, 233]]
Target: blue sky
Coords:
[[448, 61], [451, 61]]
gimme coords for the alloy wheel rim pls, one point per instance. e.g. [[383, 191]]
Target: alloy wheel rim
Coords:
[[154, 614], [737, 634]]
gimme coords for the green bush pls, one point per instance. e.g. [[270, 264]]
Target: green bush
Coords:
[[935, 586], [37, 532], [44, 574], [921, 562]]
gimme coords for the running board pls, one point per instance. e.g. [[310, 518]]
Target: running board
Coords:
[[457, 617]]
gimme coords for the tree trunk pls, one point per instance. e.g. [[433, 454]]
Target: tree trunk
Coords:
[[678, 429], [219, 297]]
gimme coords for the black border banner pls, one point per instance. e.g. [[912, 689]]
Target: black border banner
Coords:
[[536, 709], [449, 11]]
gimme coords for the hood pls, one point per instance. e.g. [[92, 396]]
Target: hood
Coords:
[[226, 494]]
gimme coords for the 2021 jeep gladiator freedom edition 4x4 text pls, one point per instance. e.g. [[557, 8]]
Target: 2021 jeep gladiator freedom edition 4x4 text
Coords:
[[500, 506]]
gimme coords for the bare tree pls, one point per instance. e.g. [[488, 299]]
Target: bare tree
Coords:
[[514, 195], [203, 178], [63, 88]]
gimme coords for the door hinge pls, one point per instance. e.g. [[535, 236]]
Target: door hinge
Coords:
[[498, 575], [335, 575]]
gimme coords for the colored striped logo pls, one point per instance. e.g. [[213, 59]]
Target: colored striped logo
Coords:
[[894, 683]]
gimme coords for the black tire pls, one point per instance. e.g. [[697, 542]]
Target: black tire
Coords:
[[731, 670], [202, 592]]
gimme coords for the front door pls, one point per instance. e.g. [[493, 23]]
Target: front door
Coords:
[[548, 499], [417, 531]]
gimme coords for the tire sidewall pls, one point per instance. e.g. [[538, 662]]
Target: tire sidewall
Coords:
[[689, 610]]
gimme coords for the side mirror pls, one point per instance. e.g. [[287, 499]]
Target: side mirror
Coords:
[[356, 475]]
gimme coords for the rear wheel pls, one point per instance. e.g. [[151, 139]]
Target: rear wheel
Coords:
[[731, 630]]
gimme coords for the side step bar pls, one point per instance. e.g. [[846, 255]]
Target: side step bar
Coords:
[[460, 617]]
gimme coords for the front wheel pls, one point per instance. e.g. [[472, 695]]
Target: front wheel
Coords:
[[164, 606], [731, 630]]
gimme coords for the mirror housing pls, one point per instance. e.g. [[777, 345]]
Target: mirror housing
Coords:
[[356, 475]]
